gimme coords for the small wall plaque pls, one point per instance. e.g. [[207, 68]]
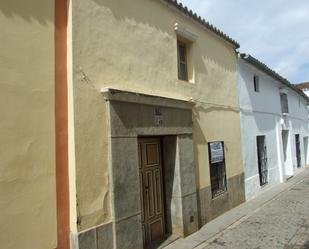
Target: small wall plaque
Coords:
[[158, 120], [158, 117], [157, 111]]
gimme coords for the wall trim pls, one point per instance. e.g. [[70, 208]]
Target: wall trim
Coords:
[[110, 94], [61, 123]]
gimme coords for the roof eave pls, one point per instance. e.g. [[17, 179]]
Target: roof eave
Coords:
[[189, 13], [263, 67]]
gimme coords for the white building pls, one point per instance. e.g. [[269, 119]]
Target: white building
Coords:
[[274, 120]]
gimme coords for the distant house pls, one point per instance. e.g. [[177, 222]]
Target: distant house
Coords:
[[304, 87], [274, 125]]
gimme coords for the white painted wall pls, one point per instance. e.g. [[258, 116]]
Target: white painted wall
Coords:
[[298, 119], [261, 115]]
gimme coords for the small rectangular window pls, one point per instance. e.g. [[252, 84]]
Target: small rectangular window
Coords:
[[217, 168], [182, 61], [284, 103], [256, 83]]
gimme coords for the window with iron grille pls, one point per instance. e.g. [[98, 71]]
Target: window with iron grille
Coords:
[[262, 159], [298, 153], [182, 61], [217, 168], [284, 103]]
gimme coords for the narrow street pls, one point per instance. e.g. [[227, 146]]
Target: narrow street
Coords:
[[282, 222]]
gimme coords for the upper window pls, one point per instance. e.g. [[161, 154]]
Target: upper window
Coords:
[[182, 61], [185, 53], [256, 82], [217, 168], [284, 103]]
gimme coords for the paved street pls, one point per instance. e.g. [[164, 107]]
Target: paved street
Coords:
[[281, 222]]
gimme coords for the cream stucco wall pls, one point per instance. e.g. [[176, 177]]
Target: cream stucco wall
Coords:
[[132, 46], [27, 133]]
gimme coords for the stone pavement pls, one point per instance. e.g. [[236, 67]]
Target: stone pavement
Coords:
[[276, 218]]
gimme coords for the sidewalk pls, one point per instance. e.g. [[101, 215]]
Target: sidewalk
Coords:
[[238, 215]]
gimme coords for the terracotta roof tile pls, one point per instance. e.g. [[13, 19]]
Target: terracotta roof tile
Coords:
[[302, 86]]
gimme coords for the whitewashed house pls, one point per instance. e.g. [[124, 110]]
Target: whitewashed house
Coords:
[[274, 120]]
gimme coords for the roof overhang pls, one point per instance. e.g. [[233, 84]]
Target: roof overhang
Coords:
[[111, 94], [263, 67]]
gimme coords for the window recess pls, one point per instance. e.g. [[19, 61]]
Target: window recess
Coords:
[[217, 168], [256, 83], [182, 61], [185, 53], [284, 103]]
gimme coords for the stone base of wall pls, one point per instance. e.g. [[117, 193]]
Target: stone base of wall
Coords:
[[252, 184], [100, 237], [129, 233], [211, 208]]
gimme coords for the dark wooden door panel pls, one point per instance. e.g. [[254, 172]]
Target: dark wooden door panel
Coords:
[[151, 189], [149, 192], [156, 230], [158, 191]]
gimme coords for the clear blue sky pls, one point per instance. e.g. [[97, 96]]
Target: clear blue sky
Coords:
[[275, 32]]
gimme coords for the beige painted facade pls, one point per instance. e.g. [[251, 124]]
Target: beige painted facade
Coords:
[[132, 46], [27, 126], [126, 46]]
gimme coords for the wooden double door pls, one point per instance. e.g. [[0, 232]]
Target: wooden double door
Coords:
[[152, 194]]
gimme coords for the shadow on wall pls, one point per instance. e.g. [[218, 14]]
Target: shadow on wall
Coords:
[[169, 158], [255, 102], [146, 14], [29, 10]]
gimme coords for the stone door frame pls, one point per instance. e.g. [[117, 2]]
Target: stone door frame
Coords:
[[130, 116]]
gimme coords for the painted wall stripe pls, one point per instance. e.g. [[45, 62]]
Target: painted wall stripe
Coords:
[[61, 117]]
